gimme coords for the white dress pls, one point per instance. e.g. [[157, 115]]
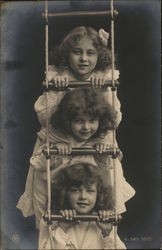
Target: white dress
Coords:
[[84, 235]]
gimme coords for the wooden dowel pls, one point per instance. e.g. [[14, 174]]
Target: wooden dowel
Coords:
[[85, 217], [81, 13], [75, 84], [84, 151]]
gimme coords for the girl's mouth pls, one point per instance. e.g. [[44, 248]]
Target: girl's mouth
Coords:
[[82, 204], [85, 132], [85, 135], [83, 66]]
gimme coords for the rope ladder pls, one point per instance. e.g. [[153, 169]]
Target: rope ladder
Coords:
[[112, 151]]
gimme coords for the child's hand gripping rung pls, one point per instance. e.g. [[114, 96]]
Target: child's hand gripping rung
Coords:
[[112, 218], [86, 151], [75, 84]]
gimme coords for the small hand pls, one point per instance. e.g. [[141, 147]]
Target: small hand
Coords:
[[105, 227], [101, 147], [63, 148], [97, 81], [116, 74], [120, 155], [60, 82], [69, 215]]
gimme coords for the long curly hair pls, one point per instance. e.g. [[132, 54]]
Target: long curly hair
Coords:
[[77, 175], [60, 55], [84, 101]]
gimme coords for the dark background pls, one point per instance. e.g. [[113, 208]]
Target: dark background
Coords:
[[137, 45]]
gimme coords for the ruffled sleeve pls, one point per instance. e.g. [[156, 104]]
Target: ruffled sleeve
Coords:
[[115, 103], [124, 191], [54, 98], [108, 94], [25, 203]]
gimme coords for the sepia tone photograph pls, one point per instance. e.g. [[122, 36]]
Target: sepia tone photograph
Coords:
[[80, 124]]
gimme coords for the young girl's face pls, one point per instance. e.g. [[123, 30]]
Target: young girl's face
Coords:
[[84, 127], [83, 198], [83, 58]]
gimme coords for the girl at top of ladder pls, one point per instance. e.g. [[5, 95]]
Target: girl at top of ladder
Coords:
[[82, 55]]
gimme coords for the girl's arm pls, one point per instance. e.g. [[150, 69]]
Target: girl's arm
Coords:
[[38, 160], [106, 141], [100, 78], [59, 239], [115, 103], [109, 241], [109, 94], [54, 98], [107, 232]]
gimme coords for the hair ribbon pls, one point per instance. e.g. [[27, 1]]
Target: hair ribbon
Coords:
[[103, 36]]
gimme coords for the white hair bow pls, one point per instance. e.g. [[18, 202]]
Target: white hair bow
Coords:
[[104, 36]]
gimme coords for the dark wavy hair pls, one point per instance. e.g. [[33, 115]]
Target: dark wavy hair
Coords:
[[60, 55], [78, 175], [84, 101]]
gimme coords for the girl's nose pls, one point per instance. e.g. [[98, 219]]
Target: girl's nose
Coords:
[[83, 57], [83, 194], [86, 125]]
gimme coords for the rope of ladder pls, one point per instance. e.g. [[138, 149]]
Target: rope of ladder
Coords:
[[47, 127], [114, 134]]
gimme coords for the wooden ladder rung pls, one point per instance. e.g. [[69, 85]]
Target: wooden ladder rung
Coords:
[[75, 84], [85, 151], [86, 217], [81, 13]]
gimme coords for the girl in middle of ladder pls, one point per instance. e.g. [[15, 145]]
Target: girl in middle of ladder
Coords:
[[83, 118]]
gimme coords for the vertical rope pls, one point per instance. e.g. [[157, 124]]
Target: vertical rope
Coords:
[[47, 126], [47, 116], [114, 134], [46, 42]]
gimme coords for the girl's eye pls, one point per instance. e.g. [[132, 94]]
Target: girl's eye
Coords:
[[90, 190], [76, 52], [91, 52], [78, 121], [74, 190]]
